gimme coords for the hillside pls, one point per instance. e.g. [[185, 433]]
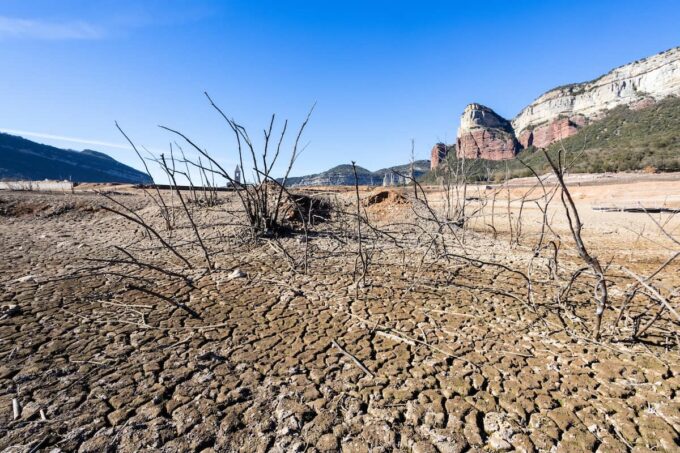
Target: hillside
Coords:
[[563, 111], [343, 175], [624, 140], [24, 159], [646, 80]]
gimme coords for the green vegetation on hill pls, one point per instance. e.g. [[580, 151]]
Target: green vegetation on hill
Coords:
[[624, 140], [24, 159]]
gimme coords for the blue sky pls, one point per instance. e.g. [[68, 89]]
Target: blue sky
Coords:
[[381, 72]]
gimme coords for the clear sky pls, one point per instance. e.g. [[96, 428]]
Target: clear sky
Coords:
[[381, 72]]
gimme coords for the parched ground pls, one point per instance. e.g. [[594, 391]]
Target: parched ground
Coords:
[[428, 355], [627, 237]]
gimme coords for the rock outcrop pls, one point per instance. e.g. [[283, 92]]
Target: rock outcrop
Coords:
[[483, 134], [437, 155], [561, 112]]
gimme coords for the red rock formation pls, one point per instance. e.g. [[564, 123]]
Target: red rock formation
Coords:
[[437, 155], [561, 112], [490, 144], [546, 134], [483, 134]]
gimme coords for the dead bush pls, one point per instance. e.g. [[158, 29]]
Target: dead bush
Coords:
[[300, 208]]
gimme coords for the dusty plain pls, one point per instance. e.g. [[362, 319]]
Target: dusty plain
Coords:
[[429, 353]]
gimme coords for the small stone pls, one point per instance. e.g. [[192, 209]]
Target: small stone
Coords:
[[237, 273], [8, 310]]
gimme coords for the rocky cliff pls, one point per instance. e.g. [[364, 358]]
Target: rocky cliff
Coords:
[[483, 134], [650, 79], [563, 111]]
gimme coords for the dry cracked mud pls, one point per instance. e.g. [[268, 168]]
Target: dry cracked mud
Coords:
[[454, 360]]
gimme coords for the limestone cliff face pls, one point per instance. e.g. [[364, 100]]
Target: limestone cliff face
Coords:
[[483, 134], [561, 111]]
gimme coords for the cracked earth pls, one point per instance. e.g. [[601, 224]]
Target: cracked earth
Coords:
[[426, 356]]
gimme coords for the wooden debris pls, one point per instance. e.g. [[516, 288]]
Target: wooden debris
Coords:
[[16, 408], [354, 359], [396, 338], [637, 210]]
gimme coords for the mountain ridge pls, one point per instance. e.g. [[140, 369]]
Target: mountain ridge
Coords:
[[21, 158], [343, 175]]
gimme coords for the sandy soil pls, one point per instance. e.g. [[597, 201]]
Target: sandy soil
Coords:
[[427, 355], [630, 237]]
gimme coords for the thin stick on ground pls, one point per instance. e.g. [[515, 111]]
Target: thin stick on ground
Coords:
[[352, 358]]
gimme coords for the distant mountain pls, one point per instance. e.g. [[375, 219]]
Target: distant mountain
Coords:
[[24, 159], [343, 175]]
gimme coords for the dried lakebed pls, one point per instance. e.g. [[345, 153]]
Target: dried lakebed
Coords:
[[442, 357]]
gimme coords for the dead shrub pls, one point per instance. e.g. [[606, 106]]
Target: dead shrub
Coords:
[[299, 208]]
